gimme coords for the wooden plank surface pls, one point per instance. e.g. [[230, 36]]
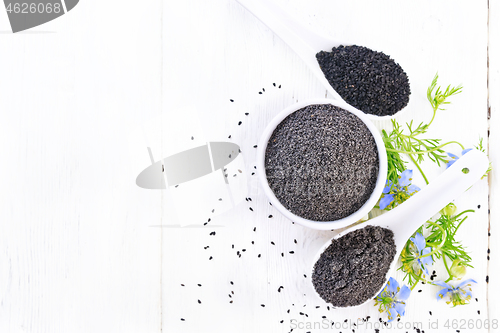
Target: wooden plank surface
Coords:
[[84, 249]]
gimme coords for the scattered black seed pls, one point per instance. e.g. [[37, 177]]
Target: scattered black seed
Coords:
[[478, 206], [250, 208], [281, 321], [488, 251], [199, 302], [230, 301], [239, 123], [182, 284], [258, 256], [263, 89], [231, 282], [487, 279], [263, 305], [477, 300], [199, 285], [288, 311], [282, 254], [246, 113], [232, 100], [254, 228], [430, 312], [489, 233], [255, 146], [305, 276], [353, 268], [243, 250], [291, 252], [272, 243], [270, 216], [212, 233], [206, 247], [478, 312], [210, 258], [183, 319], [274, 84], [253, 242], [192, 138], [279, 289], [229, 137], [253, 173], [420, 290], [314, 157], [368, 80], [295, 241], [176, 186], [232, 246], [279, 86], [260, 92]]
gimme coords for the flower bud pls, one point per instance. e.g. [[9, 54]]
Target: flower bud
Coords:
[[449, 209], [457, 269]]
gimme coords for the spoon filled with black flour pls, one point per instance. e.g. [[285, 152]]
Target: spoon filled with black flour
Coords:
[[368, 80], [353, 267]]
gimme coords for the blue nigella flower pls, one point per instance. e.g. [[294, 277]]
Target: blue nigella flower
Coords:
[[458, 295], [454, 157], [419, 242], [391, 299], [395, 194]]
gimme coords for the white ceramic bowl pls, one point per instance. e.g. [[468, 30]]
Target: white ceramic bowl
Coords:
[[322, 225]]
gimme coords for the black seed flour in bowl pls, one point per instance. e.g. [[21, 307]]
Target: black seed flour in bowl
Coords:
[[368, 80], [322, 163], [353, 268]]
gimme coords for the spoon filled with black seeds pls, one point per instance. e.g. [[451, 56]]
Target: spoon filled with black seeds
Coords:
[[353, 267], [368, 80]]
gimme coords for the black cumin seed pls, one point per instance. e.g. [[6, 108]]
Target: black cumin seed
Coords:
[[182, 284], [246, 113], [192, 138], [210, 258], [263, 305], [478, 312], [199, 302], [255, 228], [232, 100], [229, 137], [295, 241], [239, 123], [272, 243], [282, 254], [199, 285], [270, 216], [291, 252], [478, 206], [250, 208], [258, 256], [212, 233], [487, 279], [281, 321], [183, 319], [430, 312]]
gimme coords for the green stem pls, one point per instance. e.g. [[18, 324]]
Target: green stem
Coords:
[[447, 269], [419, 169], [438, 248]]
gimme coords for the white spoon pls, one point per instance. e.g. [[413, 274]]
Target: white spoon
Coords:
[[300, 38], [411, 214]]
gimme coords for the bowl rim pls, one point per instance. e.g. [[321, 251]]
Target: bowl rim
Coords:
[[323, 225]]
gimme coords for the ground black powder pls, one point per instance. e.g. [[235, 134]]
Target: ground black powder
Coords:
[[354, 267], [322, 162], [368, 80]]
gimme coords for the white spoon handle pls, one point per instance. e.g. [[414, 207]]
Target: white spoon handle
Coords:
[[300, 38], [411, 214]]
